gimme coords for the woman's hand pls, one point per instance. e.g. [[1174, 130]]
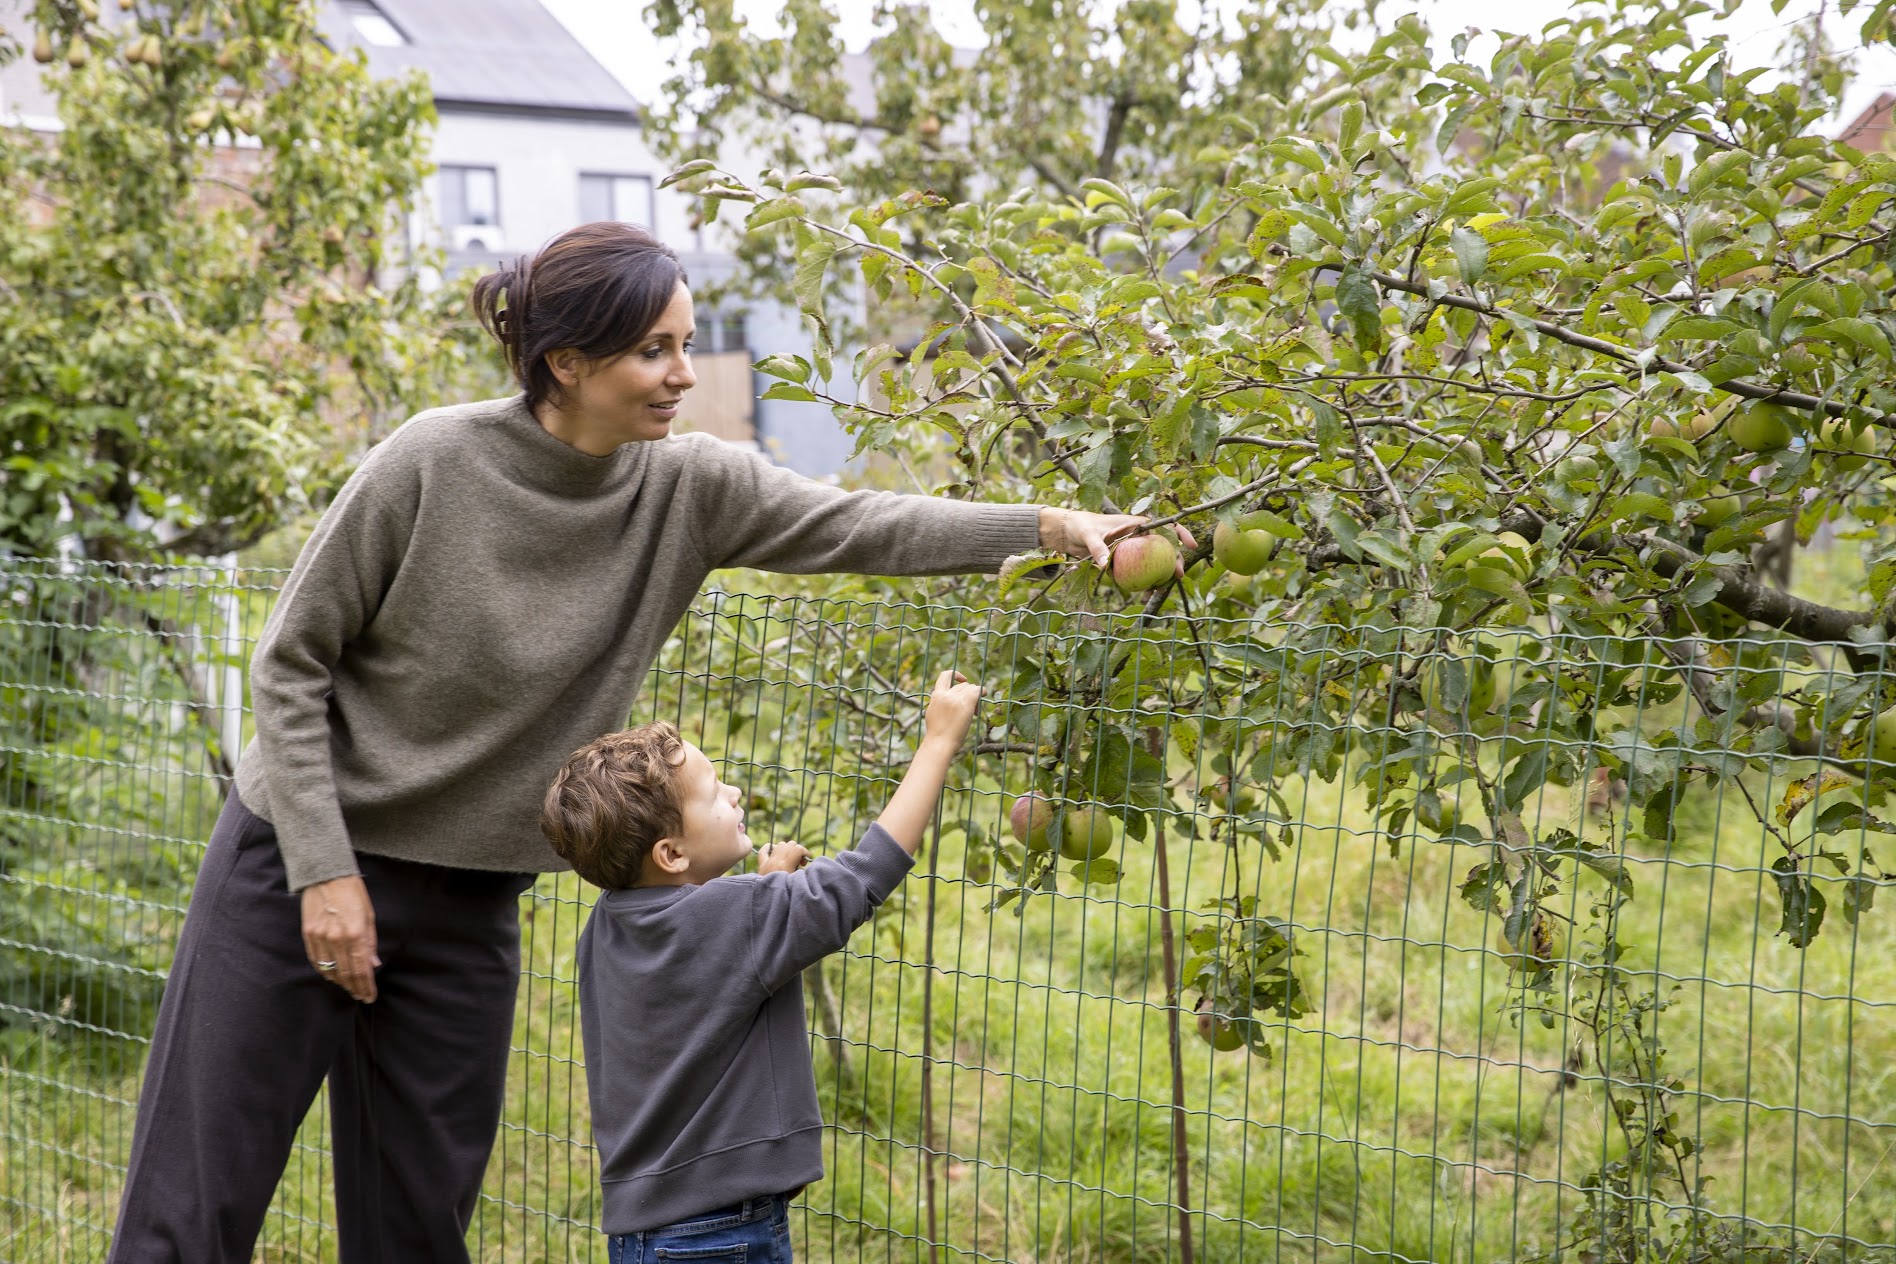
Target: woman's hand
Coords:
[[339, 934], [1081, 534]]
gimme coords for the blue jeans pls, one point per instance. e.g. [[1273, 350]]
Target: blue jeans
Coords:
[[755, 1231]]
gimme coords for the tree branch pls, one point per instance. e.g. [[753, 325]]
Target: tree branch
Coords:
[[1739, 592], [1627, 355]]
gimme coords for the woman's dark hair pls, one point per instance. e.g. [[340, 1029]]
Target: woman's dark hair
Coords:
[[598, 289]]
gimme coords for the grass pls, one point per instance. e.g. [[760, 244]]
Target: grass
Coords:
[[1422, 1109]]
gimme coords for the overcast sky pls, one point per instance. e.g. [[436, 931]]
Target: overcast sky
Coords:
[[614, 32]]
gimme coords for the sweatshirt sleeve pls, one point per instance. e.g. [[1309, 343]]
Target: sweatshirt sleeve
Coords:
[[332, 594], [761, 515], [797, 919]]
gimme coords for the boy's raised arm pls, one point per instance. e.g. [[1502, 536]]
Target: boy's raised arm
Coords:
[[950, 713], [798, 922]]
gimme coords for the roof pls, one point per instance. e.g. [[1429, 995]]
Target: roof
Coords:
[[505, 56], [1870, 130]]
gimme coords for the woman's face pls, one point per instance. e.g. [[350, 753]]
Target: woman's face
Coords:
[[636, 395]]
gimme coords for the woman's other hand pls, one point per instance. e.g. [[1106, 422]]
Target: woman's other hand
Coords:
[[339, 934]]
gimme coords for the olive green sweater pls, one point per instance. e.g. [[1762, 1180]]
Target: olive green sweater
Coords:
[[482, 599]]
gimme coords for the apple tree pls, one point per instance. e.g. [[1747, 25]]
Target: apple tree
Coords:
[[1479, 386]]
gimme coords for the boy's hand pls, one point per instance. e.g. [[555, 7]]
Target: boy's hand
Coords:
[[782, 857], [951, 708]]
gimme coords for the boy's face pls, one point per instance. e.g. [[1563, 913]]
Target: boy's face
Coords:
[[714, 839]]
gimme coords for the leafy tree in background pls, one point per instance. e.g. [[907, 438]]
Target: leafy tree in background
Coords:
[[206, 307], [202, 275], [1492, 377], [1063, 91]]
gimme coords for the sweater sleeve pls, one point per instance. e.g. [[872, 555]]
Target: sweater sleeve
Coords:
[[761, 515], [332, 593], [797, 919]]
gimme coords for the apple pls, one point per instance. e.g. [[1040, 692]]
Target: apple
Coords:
[[1030, 818], [1215, 1029], [1545, 945], [1436, 813], [1241, 552], [1221, 796], [1762, 428], [1087, 833], [1849, 449], [1238, 585], [1714, 510], [1883, 736], [1695, 428], [1143, 562], [1518, 562]]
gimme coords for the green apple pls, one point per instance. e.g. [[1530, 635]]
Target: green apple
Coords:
[[1087, 833], [1436, 813], [1216, 1030], [1715, 509], [1241, 552], [1762, 428], [1849, 449], [1883, 736], [1542, 945]]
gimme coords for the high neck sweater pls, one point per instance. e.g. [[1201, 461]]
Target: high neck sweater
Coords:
[[481, 599]]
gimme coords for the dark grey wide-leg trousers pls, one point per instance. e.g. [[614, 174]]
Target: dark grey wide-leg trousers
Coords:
[[248, 1030]]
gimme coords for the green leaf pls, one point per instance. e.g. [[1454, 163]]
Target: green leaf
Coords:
[[1802, 902], [1132, 289], [1856, 330], [789, 391], [810, 180], [1471, 196], [1700, 328], [774, 211], [1485, 887], [1716, 169], [1106, 190], [1850, 818], [788, 367], [696, 167], [1471, 253], [813, 262], [1529, 771], [1358, 300]]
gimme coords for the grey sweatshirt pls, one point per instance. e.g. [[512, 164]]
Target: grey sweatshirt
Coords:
[[697, 1051], [482, 599]]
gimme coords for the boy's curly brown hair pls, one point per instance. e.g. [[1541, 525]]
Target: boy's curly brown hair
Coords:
[[612, 800]]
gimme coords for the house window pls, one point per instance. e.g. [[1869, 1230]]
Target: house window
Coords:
[[719, 332], [627, 199], [470, 208], [372, 24]]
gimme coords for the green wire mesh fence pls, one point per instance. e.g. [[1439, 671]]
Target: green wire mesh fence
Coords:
[[1313, 943]]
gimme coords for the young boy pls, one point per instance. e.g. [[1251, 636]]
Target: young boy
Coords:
[[697, 1054]]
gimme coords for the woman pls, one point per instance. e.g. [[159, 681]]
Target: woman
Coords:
[[484, 596]]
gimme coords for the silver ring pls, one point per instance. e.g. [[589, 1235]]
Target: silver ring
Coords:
[[325, 965]]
